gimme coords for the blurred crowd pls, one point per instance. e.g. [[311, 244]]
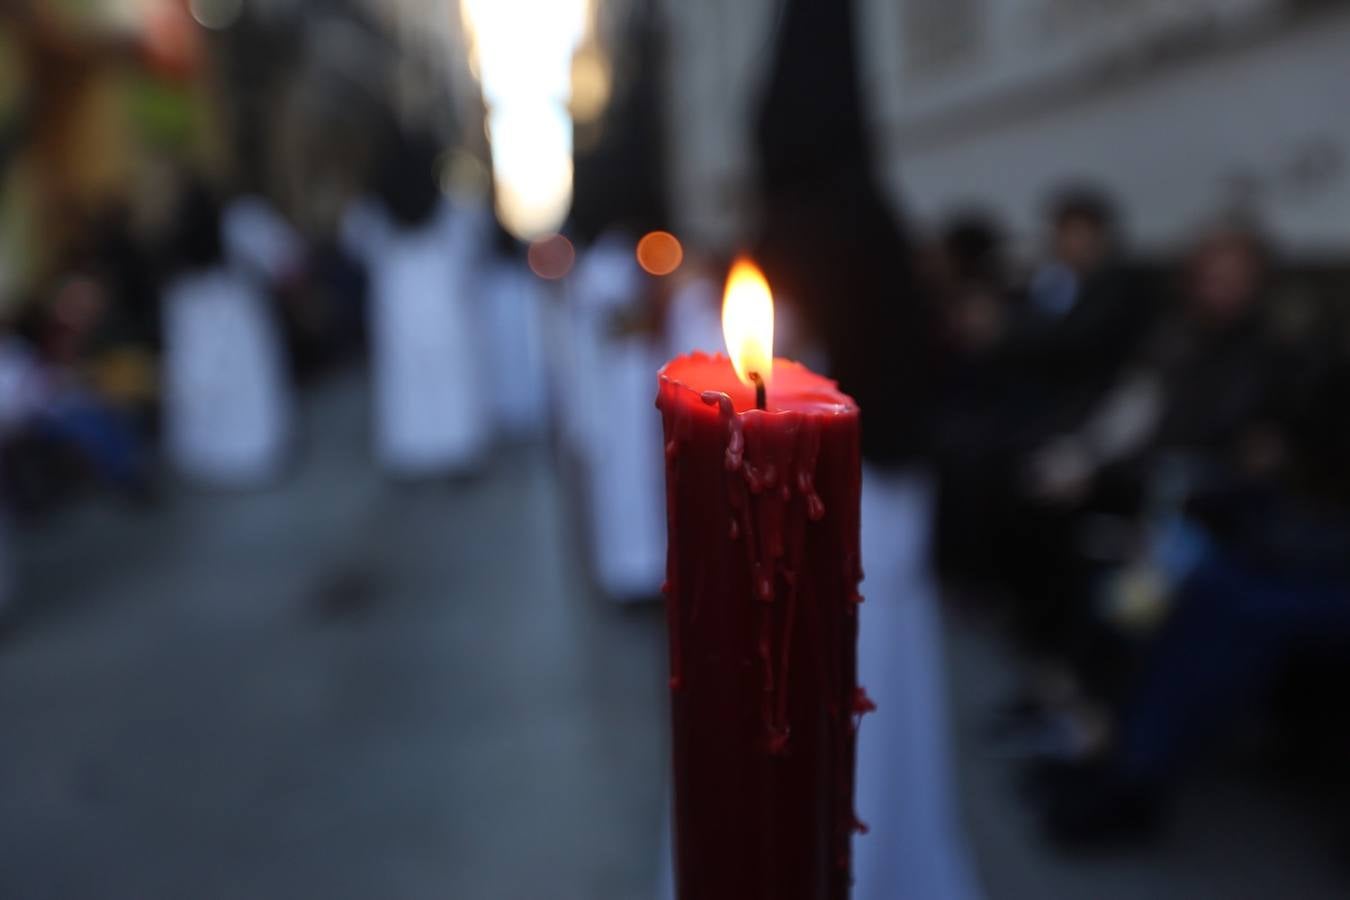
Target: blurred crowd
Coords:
[[177, 262], [1142, 481], [170, 269]]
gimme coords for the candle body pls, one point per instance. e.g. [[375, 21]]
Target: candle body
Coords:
[[761, 600]]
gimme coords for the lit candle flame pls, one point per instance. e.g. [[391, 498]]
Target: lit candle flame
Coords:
[[747, 322]]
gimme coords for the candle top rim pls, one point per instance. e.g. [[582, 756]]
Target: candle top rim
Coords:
[[794, 389]]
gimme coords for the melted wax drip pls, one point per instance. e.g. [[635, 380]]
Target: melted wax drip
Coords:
[[760, 486], [862, 705]]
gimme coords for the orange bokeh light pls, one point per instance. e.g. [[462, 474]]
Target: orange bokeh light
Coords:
[[551, 257], [659, 253]]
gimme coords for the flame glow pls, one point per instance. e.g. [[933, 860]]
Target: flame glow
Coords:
[[747, 322]]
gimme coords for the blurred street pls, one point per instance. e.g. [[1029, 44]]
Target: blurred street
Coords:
[[344, 688]]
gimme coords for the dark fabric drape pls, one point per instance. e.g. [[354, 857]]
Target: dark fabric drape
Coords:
[[829, 237]]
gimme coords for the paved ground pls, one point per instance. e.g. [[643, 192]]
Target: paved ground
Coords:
[[347, 688], [341, 689]]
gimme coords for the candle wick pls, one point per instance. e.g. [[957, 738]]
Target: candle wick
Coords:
[[761, 400]]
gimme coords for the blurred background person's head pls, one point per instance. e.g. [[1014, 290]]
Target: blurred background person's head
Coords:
[[1226, 274], [196, 242], [1082, 225], [407, 180], [969, 274], [973, 249]]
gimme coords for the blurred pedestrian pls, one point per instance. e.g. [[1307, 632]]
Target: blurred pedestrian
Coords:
[[430, 413], [227, 399]]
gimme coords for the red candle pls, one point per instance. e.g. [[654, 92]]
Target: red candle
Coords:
[[761, 601]]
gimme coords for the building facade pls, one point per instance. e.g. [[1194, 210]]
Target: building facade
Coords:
[[1182, 108]]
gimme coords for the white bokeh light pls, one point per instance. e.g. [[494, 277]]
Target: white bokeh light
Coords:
[[215, 14], [532, 166], [522, 52]]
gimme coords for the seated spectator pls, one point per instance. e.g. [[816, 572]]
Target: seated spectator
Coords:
[[1086, 312], [1203, 388], [1261, 568], [969, 280], [1210, 437], [65, 413], [1207, 377], [966, 278], [1057, 354]]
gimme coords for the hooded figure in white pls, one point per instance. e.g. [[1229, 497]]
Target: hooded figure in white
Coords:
[[613, 428], [422, 251], [227, 397]]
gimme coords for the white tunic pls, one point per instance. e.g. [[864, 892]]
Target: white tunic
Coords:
[[430, 416], [227, 402], [905, 784], [513, 315], [612, 424]]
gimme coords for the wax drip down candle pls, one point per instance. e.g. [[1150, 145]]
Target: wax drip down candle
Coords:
[[762, 573]]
